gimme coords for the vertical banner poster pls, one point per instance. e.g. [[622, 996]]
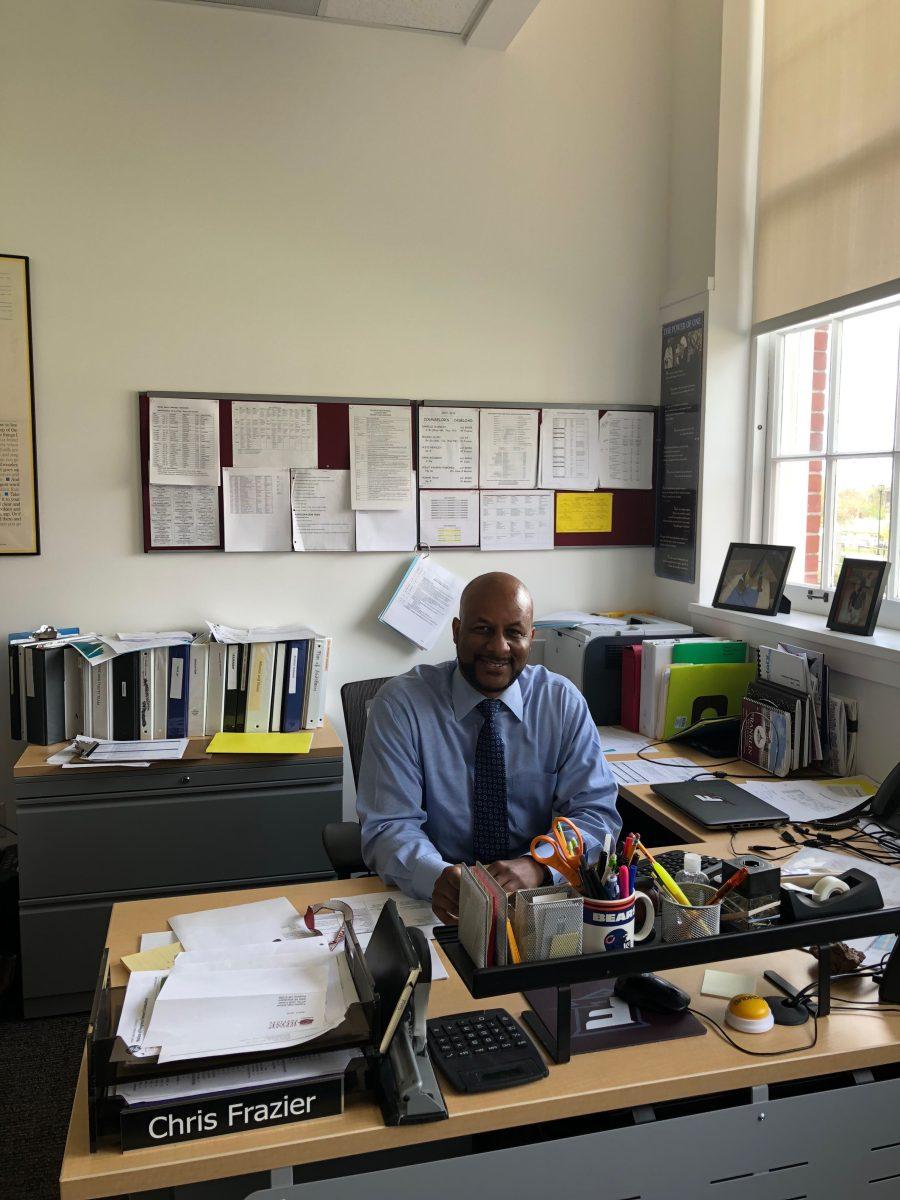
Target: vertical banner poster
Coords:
[[678, 464], [18, 462]]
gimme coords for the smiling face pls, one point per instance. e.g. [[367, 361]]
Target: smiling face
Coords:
[[493, 632]]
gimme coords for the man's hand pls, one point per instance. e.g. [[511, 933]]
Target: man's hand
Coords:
[[513, 874], [445, 897]]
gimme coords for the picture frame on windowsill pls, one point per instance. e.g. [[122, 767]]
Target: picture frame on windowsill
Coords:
[[858, 596]]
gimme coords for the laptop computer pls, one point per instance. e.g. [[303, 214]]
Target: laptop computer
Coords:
[[717, 804]]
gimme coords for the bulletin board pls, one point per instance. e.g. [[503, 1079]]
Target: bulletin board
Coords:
[[333, 417], [633, 510]]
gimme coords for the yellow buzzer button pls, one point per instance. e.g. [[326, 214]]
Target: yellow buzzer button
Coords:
[[749, 1007], [749, 1014]]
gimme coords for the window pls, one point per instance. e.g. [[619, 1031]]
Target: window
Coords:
[[833, 477]]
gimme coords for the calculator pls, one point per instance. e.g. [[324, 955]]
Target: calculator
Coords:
[[481, 1051]]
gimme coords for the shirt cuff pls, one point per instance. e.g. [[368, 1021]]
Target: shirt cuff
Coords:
[[425, 875]]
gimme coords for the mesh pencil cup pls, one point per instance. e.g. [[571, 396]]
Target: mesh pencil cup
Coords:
[[684, 923]]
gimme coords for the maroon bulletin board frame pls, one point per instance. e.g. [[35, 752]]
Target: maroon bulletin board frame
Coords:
[[633, 509], [333, 419]]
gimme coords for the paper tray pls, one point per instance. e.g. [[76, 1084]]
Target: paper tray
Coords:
[[111, 1063]]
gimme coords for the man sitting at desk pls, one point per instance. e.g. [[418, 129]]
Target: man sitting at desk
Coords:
[[469, 760]]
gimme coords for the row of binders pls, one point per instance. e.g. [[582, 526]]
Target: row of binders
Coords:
[[780, 695], [186, 690]]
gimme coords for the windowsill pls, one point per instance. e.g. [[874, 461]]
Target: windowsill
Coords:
[[876, 658]]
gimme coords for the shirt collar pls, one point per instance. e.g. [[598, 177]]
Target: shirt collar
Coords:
[[464, 697]]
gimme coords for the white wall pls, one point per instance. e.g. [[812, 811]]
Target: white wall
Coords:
[[236, 201]]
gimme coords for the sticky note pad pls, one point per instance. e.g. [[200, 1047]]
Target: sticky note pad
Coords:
[[261, 743], [727, 984], [160, 958], [584, 512]]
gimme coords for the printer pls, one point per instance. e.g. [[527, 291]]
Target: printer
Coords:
[[591, 655]]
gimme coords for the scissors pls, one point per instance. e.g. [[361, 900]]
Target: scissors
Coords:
[[566, 849]]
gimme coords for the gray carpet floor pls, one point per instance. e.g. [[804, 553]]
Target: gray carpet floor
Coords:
[[39, 1063]]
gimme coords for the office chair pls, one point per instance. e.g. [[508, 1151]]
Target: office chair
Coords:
[[342, 839]]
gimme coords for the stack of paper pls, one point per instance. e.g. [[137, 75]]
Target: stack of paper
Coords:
[[235, 988], [260, 997]]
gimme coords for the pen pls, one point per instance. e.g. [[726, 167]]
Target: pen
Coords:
[[735, 881], [623, 879], [664, 877]]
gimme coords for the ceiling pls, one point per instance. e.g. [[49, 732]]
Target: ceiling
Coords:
[[489, 24]]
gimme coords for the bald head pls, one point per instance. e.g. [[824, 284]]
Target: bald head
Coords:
[[493, 631], [494, 587]]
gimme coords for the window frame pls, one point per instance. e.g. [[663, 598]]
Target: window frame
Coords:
[[766, 397]]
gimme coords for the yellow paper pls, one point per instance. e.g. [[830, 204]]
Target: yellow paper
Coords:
[[584, 512], [261, 743], [160, 958]]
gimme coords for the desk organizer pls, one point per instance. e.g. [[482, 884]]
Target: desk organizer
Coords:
[[561, 973]]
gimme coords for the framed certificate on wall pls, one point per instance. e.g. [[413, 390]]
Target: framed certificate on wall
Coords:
[[18, 455]]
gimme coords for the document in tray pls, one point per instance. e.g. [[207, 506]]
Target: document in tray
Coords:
[[231, 1079], [424, 602], [237, 925], [137, 1009], [264, 998]]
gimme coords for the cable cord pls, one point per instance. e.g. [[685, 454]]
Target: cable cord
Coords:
[[758, 1053]]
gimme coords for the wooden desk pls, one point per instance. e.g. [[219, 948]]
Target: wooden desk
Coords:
[[589, 1084], [94, 835]]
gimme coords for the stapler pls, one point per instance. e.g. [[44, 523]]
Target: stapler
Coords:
[[408, 1087]]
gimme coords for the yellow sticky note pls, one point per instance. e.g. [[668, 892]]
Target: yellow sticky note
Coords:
[[160, 958], [261, 743], [584, 512]]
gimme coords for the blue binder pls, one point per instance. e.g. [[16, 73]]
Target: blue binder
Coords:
[[296, 661]]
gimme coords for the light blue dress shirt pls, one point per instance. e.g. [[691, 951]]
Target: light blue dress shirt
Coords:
[[416, 779]]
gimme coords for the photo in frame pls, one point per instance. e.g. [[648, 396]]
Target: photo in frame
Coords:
[[858, 596], [753, 578]]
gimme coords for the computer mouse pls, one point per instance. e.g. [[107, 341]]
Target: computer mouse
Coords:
[[650, 992]]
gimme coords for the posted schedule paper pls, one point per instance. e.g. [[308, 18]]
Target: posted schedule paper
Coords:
[[424, 602], [321, 516], [448, 447], [516, 520], [274, 434], [570, 449], [509, 444], [184, 441], [183, 516], [626, 450], [257, 507], [448, 518], [380, 456]]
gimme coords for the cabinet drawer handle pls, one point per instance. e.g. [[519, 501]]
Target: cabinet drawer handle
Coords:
[[185, 779]]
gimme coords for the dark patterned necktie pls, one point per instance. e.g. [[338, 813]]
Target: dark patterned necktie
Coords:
[[490, 826]]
